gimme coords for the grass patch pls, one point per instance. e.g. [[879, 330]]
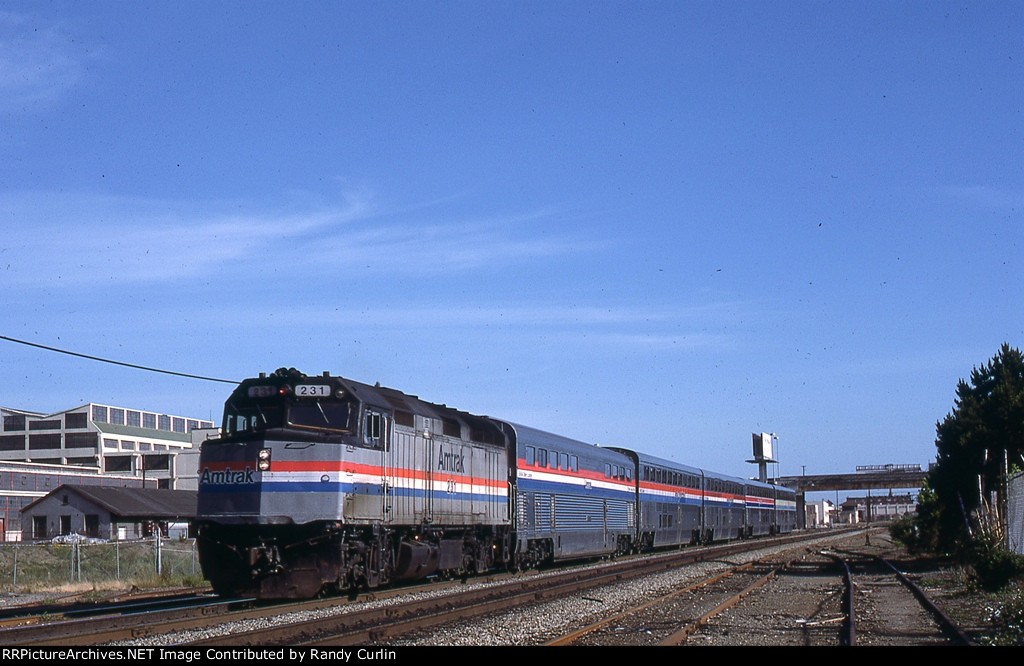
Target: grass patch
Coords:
[[65, 569]]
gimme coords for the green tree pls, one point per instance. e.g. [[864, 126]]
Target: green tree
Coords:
[[976, 442]]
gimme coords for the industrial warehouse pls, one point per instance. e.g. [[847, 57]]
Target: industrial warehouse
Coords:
[[93, 445]]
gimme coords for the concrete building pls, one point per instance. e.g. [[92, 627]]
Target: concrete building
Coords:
[[93, 445], [876, 508], [819, 514], [155, 447]]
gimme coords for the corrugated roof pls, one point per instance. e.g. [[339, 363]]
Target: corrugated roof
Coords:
[[136, 502]]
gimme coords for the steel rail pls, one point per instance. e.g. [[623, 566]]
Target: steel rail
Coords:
[[848, 635], [680, 637], [948, 626], [375, 625], [568, 639]]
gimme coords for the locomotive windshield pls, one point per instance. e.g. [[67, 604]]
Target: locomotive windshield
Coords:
[[252, 418], [322, 415], [317, 414]]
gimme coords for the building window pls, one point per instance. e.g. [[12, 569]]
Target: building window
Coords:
[[116, 416], [117, 463], [81, 440], [179, 425], [51, 424], [162, 462], [99, 413], [164, 422], [14, 422], [76, 420], [149, 421], [12, 442], [134, 418], [50, 441]]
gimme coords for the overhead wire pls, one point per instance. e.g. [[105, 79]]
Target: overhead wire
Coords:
[[113, 362]]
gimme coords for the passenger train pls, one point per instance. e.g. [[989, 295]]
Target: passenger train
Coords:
[[319, 484]]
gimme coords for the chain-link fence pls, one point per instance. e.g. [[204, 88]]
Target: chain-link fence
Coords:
[[150, 561], [1015, 514]]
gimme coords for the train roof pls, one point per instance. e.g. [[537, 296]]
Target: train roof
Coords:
[[530, 436], [385, 398], [648, 459]]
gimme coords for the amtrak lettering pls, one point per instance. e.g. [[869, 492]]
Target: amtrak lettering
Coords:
[[227, 476], [450, 462]]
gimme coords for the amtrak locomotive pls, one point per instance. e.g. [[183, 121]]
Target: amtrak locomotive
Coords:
[[319, 484]]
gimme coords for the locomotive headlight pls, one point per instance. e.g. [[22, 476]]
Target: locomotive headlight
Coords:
[[264, 460]]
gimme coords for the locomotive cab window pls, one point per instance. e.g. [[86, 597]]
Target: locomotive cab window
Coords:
[[374, 429], [321, 415], [252, 418]]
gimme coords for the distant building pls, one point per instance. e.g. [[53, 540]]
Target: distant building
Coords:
[[22, 483], [108, 513], [156, 447], [876, 508], [93, 445], [819, 514]]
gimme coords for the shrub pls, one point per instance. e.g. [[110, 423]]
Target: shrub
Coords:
[[994, 565], [1008, 621]]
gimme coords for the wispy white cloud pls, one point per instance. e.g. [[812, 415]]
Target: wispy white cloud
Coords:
[[549, 315], [39, 63], [557, 327], [76, 239]]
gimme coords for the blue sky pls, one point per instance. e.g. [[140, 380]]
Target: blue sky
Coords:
[[661, 225]]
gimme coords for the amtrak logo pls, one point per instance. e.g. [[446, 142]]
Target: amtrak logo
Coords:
[[450, 462], [227, 476]]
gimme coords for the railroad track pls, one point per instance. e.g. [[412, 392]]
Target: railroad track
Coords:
[[446, 615], [93, 624], [875, 604], [884, 606], [786, 599], [670, 618], [378, 624]]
